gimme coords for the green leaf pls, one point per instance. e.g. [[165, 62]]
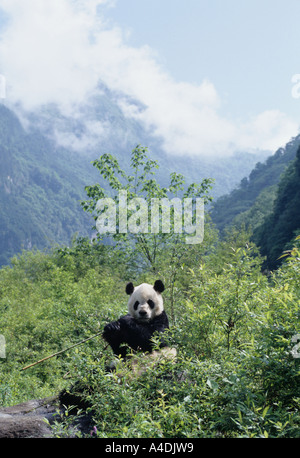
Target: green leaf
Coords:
[[265, 411], [212, 384]]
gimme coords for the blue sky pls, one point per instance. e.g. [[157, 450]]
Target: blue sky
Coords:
[[214, 76], [249, 49]]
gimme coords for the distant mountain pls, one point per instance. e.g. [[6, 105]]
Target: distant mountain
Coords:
[[252, 201], [40, 189], [45, 164], [101, 125]]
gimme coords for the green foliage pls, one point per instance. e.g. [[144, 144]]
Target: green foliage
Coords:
[[40, 189], [235, 374], [223, 299], [162, 253], [252, 201], [235, 331], [145, 246], [259, 211], [49, 302], [276, 232]]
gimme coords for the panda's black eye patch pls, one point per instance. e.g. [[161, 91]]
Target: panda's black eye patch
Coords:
[[151, 304], [136, 304]]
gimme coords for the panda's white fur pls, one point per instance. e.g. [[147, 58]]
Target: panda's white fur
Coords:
[[145, 303]]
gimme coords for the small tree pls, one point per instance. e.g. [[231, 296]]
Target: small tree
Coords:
[[144, 246]]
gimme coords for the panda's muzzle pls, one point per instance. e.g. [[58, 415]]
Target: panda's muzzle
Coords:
[[143, 314]]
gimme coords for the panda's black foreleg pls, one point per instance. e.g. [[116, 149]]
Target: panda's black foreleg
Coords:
[[136, 335], [128, 331], [113, 335]]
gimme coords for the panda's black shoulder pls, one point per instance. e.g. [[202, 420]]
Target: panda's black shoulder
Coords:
[[161, 320]]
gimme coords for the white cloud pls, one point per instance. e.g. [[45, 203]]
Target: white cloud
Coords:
[[45, 51], [270, 130], [56, 51], [93, 131]]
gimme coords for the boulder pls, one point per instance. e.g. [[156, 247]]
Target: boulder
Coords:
[[27, 420]]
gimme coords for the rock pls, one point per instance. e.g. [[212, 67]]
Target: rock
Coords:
[[27, 420]]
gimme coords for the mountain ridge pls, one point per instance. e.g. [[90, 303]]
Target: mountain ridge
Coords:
[[252, 200], [42, 182], [275, 235]]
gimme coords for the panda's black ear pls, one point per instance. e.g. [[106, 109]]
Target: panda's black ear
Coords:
[[159, 286], [129, 288]]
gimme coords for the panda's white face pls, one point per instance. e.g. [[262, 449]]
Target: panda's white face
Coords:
[[145, 302]]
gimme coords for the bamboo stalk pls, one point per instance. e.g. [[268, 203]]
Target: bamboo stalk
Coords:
[[62, 351]]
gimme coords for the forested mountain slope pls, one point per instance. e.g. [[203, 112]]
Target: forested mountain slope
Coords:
[[40, 190], [253, 200], [283, 224]]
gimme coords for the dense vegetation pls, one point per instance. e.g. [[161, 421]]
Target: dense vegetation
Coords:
[[235, 330], [252, 201], [278, 229], [268, 203], [38, 182]]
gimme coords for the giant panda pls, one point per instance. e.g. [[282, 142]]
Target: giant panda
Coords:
[[146, 316]]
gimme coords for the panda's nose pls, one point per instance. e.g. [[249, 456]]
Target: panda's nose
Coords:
[[143, 313]]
